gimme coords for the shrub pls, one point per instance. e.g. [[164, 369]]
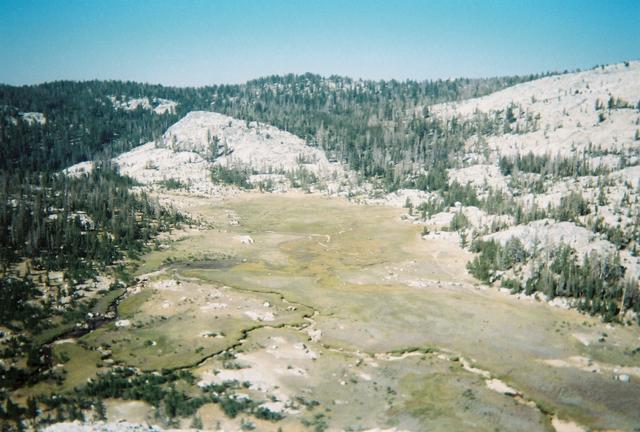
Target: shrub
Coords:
[[232, 176], [173, 184]]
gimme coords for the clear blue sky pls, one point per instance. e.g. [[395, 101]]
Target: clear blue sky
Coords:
[[198, 42]]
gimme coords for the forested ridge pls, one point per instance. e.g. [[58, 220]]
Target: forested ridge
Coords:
[[374, 126], [356, 120], [81, 123]]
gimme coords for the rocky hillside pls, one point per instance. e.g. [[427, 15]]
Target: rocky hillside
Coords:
[[594, 111], [232, 142], [563, 169], [201, 142]]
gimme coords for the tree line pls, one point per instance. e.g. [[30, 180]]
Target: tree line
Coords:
[[597, 283]]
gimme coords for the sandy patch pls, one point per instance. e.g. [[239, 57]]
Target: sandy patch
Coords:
[[565, 425], [500, 387], [588, 365], [268, 370]]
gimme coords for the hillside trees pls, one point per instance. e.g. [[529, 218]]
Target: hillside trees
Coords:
[[557, 166], [81, 123], [597, 283], [362, 123], [92, 219]]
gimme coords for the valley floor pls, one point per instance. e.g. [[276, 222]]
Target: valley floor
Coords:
[[341, 316]]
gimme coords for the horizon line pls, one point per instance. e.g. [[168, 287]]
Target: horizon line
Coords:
[[357, 79]]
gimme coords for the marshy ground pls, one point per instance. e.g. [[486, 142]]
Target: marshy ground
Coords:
[[342, 315]]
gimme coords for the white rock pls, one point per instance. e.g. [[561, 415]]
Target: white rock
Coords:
[[624, 378], [565, 104], [238, 143], [32, 118], [245, 239]]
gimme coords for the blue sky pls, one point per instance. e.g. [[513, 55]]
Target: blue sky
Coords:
[[198, 42]]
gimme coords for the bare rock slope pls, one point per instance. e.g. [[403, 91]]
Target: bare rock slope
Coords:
[[229, 141], [571, 112], [187, 152]]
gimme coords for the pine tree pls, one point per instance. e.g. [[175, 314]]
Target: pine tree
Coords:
[[100, 410]]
